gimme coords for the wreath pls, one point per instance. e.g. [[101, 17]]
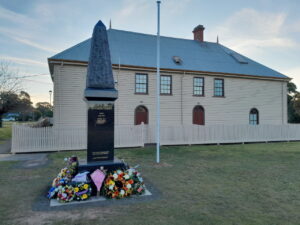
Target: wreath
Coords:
[[65, 193], [82, 191], [120, 184]]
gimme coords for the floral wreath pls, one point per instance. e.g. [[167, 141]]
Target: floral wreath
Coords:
[[120, 184], [65, 194], [82, 191]]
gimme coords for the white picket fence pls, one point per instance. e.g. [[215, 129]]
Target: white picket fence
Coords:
[[28, 139]]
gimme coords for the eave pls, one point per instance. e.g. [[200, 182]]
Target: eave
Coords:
[[51, 62]]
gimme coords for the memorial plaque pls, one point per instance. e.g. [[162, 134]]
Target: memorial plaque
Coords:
[[101, 131]]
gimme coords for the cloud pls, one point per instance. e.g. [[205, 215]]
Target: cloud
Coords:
[[23, 61], [249, 30], [294, 73], [13, 16], [35, 45]]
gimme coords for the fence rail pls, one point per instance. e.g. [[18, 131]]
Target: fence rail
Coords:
[[28, 139]]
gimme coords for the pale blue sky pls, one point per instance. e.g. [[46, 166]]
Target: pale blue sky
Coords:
[[33, 30]]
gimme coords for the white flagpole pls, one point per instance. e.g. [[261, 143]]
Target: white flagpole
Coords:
[[158, 86]]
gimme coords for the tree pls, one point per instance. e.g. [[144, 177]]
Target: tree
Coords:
[[296, 103], [24, 106], [293, 103], [45, 109], [9, 86]]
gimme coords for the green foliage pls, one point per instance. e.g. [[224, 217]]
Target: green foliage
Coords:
[[45, 109], [293, 103]]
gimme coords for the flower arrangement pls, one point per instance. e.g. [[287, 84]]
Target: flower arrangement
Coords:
[[64, 177], [70, 185], [65, 193], [120, 184], [82, 191]]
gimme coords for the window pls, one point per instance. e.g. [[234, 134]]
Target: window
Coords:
[[141, 83], [165, 85], [141, 115], [253, 117], [199, 86], [198, 115], [219, 88]]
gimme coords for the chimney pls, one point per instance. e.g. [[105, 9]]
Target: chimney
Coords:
[[198, 33]]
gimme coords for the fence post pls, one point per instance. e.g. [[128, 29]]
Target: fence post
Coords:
[[143, 134]]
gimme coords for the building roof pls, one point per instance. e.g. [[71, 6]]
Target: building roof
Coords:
[[137, 49]]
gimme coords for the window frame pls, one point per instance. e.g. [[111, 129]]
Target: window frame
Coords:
[[203, 86], [223, 88], [257, 116], [135, 83], [171, 85]]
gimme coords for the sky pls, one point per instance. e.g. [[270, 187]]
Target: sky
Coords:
[[33, 30]]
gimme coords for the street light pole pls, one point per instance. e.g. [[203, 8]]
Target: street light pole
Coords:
[[50, 93]]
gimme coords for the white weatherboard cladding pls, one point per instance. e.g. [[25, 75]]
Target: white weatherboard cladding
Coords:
[[269, 97]]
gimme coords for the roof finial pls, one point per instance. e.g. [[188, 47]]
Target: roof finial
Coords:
[[217, 39], [110, 24]]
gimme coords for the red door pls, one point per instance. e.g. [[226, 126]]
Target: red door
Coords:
[[198, 115], [141, 115]]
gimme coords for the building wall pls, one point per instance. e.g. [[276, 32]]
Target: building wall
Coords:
[[269, 97]]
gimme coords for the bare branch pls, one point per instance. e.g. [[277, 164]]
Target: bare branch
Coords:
[[9, 81]]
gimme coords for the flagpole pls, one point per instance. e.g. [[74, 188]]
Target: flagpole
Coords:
[[158, 86]]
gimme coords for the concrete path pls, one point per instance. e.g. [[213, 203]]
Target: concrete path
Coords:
[[5, 147], [31, 157]]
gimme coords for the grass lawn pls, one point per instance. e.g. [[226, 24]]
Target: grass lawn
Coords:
[[5, 131], [227, 184]]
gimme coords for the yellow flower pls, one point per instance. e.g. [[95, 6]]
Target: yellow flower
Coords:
[[84, 196], [86, 186], [76, 189], [111, 182]]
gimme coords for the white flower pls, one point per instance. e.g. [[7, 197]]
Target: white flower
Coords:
[[126, 176], [130, 171], [115, 176], [138, 174], [119, 171], [122, 192], [128, 186], [140, 179], [111, 187]]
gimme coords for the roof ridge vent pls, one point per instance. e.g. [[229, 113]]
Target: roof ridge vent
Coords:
[[177, 60], [239, 58]]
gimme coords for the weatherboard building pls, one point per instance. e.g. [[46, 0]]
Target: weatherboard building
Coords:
[[201, 83]]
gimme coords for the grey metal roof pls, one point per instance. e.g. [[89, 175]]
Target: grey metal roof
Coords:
[[136, 49]]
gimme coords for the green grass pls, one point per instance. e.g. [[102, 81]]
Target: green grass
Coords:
[[5, 131], [227, 184]]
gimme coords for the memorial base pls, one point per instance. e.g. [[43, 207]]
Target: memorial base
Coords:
[[107, 165]]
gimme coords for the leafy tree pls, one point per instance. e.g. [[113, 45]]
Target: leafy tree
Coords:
[[12, 102], [45, 109], [293, 103]]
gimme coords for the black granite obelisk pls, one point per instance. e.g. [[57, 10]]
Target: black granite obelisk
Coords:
[[100, 94]]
